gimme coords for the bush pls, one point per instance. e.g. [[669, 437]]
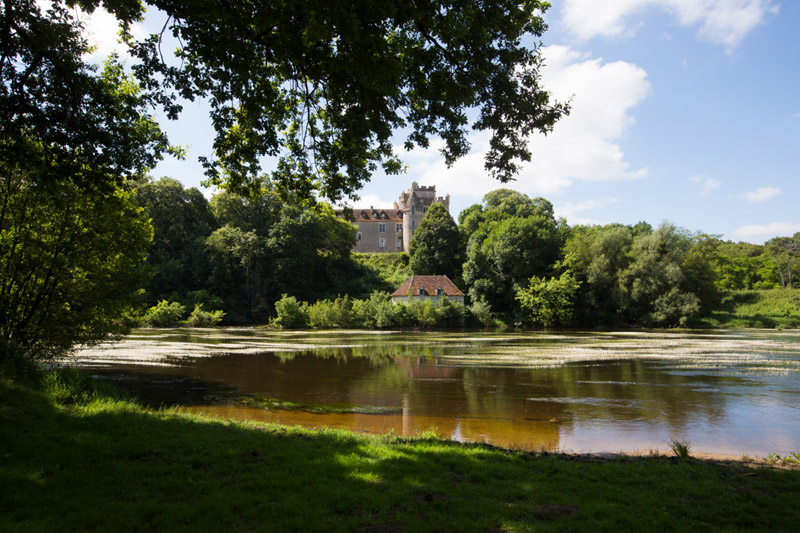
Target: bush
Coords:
[[204, 319], [423, 313], [325, 314], [164, 314], [482, 311], [451, 314], [291, 313]]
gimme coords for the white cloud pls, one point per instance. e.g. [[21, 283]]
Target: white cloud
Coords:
[[583, 147], [762, 194], [724, 22], [762, 232], [709, 184], [375, 201], [570, 210]]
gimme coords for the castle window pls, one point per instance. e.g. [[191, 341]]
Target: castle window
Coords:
[[398, 227], [399, 243], [382, 228], [422, 291], [438, 291], [358, 237], [381, 243]]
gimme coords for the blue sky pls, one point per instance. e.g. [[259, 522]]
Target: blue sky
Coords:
[[685, 111]]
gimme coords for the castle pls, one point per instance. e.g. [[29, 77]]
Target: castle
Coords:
[[390, 230]]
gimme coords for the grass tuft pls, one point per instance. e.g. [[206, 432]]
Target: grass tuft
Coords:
[[680, 448]]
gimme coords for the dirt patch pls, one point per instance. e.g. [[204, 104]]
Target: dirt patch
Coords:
[[551, 512], [380, 528]]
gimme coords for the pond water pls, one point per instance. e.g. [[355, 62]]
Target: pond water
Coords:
[[730, 392]]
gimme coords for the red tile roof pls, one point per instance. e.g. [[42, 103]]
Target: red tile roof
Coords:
[[430, 284]]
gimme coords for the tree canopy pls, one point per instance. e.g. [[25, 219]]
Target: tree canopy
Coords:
[[287, 80], [436, 245]]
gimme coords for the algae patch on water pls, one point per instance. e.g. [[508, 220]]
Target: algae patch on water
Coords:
[[308, 407]]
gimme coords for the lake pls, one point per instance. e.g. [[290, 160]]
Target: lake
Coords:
[[727, 392]]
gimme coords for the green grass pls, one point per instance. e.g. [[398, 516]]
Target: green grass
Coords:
[[775, 308], [75, 458]]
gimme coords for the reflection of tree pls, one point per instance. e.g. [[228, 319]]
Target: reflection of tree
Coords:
[[637, 391]]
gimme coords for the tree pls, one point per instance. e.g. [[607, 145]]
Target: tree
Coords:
[[71, 235], [240, 271], [436, 245], [287, 80], [785, 252], [516, 238], [655, 289], [68, 261], [94, 128], [181, 222], [550, 301]]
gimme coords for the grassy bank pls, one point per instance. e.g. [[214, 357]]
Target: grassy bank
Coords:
[[75, 458], [776, 308]]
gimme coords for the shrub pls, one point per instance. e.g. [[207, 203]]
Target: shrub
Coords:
[[291, 313], [165, 314], [451, 313], [204, 319], [482, 312], [324, 314], [423, 313]]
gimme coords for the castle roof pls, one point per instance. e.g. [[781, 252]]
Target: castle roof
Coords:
[[429, 284], [375, 214]]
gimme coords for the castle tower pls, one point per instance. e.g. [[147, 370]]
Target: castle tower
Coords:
[[414, 203]]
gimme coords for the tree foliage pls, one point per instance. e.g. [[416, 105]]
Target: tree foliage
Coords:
[[287, 80], [514, 238], [181, 222], [93, 127], [68, 260], [549, 302], [436, 245]]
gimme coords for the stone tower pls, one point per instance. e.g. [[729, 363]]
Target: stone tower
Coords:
[[413, 204]]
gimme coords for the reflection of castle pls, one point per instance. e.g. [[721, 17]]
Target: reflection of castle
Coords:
[[390, 230]]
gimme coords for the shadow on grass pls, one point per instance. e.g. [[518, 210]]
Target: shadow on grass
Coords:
[[112, 465]]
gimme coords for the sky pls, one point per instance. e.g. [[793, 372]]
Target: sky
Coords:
[[683, 111]]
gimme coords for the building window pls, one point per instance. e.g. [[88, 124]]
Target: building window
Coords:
[[382, 228], [381, 243], [399, 243], [422, 291], [398, 227], [358, 237], [438, 291]]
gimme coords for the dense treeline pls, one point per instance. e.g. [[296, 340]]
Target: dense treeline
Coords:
[[240, 255], [513, 258]]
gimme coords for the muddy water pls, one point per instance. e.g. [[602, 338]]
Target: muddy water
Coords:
[[723, 392]]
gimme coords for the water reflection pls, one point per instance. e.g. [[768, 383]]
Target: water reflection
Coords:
[[737, 399]]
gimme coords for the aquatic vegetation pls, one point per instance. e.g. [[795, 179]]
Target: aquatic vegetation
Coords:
[[309, 407]]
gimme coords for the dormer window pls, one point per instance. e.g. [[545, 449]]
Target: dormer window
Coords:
[[422, 291], [438, 291]]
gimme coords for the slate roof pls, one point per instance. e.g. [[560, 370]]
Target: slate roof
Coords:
[[430, 284], [375, 215]]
